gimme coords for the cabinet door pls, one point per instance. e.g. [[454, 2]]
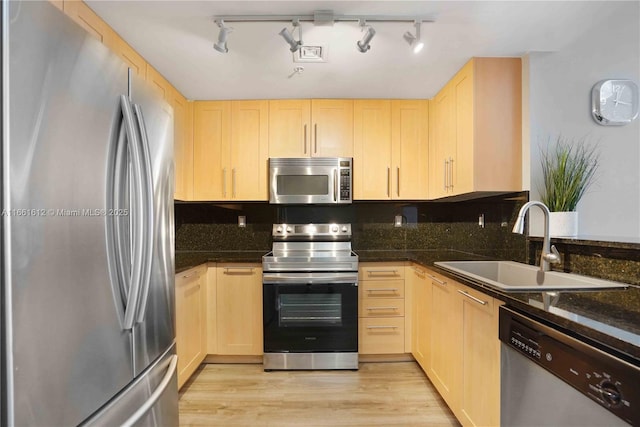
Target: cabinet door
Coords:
[[479, 391], [290, 128], [190, 322], [89, 20], [372, 149], [182, 146], [332, 127], [133, 59], [462, 173], [441, 139], [159, 83], [211, 141], [239, 309], [416, 277], [444, 364], [410, 141], [249, 150]]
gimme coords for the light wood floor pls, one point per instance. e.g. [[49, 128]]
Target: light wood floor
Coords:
[[379, 394]]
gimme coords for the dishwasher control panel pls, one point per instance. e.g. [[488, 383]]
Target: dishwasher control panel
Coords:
[[603, 377]]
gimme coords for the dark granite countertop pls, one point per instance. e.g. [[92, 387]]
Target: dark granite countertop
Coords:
[[609, 319], [189, 259]]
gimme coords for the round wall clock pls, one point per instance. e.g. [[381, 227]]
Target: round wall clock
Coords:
[[614, 102]]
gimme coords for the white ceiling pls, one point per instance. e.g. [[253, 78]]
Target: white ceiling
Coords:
[[177, 38]]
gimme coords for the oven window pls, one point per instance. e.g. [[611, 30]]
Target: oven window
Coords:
[[310, 310], [303, 185]]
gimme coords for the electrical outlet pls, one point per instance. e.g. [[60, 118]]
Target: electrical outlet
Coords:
[[398, 221], [481, 221], [242, 221]]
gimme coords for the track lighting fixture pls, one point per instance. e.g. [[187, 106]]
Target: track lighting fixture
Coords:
[[288, 36], [363, 44], [414, 41], [324, 18], [221, 44]]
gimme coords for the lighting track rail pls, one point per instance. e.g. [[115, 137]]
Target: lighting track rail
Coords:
[[323, 18]]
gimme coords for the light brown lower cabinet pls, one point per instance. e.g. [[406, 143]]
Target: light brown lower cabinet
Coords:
[[239, 309], [455, 341], [383, 321], [191, 325]]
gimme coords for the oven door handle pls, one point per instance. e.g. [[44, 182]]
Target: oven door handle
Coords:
[[281, 279]]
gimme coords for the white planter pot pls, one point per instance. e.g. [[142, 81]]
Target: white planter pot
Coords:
[[563, 224]]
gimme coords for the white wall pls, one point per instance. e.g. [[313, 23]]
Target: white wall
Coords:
[[559, 103]]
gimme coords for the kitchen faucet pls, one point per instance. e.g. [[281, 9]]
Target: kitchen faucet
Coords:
[[549, 254]]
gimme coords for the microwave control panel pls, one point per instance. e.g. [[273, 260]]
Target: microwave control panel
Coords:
[[345, 180]]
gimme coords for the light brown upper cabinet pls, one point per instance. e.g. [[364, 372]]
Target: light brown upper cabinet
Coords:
[[89, 20], [159, 83], [182, 146], [230, 150], [311, 128], [410, 143], [133, 59], [289, 128], [477, 127], [391, 149]]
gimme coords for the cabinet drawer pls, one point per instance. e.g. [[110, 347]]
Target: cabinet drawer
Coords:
[[381, 307], [382, 289], [381, 335], [381, 271]]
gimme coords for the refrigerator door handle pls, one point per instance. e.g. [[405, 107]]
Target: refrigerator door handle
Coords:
[[144, 408], [136, 212], [148, 224], [117, 237]]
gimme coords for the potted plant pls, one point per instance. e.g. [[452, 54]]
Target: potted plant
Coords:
[[568, 170]]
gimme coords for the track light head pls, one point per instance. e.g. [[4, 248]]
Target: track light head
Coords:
[[288, 37], [363, 45], [414, 41], [221, 44]]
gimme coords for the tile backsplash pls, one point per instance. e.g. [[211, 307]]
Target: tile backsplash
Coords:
[[426, 225]]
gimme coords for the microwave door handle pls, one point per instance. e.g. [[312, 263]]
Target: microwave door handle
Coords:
[[335, 185]]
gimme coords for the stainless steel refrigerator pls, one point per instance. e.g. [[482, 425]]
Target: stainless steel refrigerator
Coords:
[[88, 335]]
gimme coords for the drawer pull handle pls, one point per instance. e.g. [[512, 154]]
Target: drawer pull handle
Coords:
[[239, 269], [419, 271], [383, 290], [382, 271], [435, 279], [186, 276], [382, 327], [382, 308], [466, 294]]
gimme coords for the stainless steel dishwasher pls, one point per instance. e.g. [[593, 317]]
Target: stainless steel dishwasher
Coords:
[[549, 378]]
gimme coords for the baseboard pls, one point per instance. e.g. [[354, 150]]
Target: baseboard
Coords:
[[218, 358], [377, 358]]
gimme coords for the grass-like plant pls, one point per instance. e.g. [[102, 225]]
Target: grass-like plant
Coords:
[[568, 170]]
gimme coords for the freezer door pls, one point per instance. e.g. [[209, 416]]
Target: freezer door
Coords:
[[66, 350], [150, 401], [155, 325]]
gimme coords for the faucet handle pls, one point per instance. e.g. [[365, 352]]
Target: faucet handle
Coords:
[[553, 257]]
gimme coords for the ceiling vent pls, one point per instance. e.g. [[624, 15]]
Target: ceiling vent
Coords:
[[316, 53]]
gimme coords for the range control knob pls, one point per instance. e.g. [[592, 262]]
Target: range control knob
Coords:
[[279, 230], [288, 229], [344, 229], [334, 229], [610, 393]]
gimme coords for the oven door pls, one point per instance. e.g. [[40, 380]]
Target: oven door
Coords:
[[307, 313]]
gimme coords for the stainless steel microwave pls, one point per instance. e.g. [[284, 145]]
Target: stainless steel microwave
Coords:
[[314, 180]]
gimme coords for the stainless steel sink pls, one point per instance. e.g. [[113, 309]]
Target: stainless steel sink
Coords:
[[516, 277]]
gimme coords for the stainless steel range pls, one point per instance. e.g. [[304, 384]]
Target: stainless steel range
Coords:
[[310, 298]]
